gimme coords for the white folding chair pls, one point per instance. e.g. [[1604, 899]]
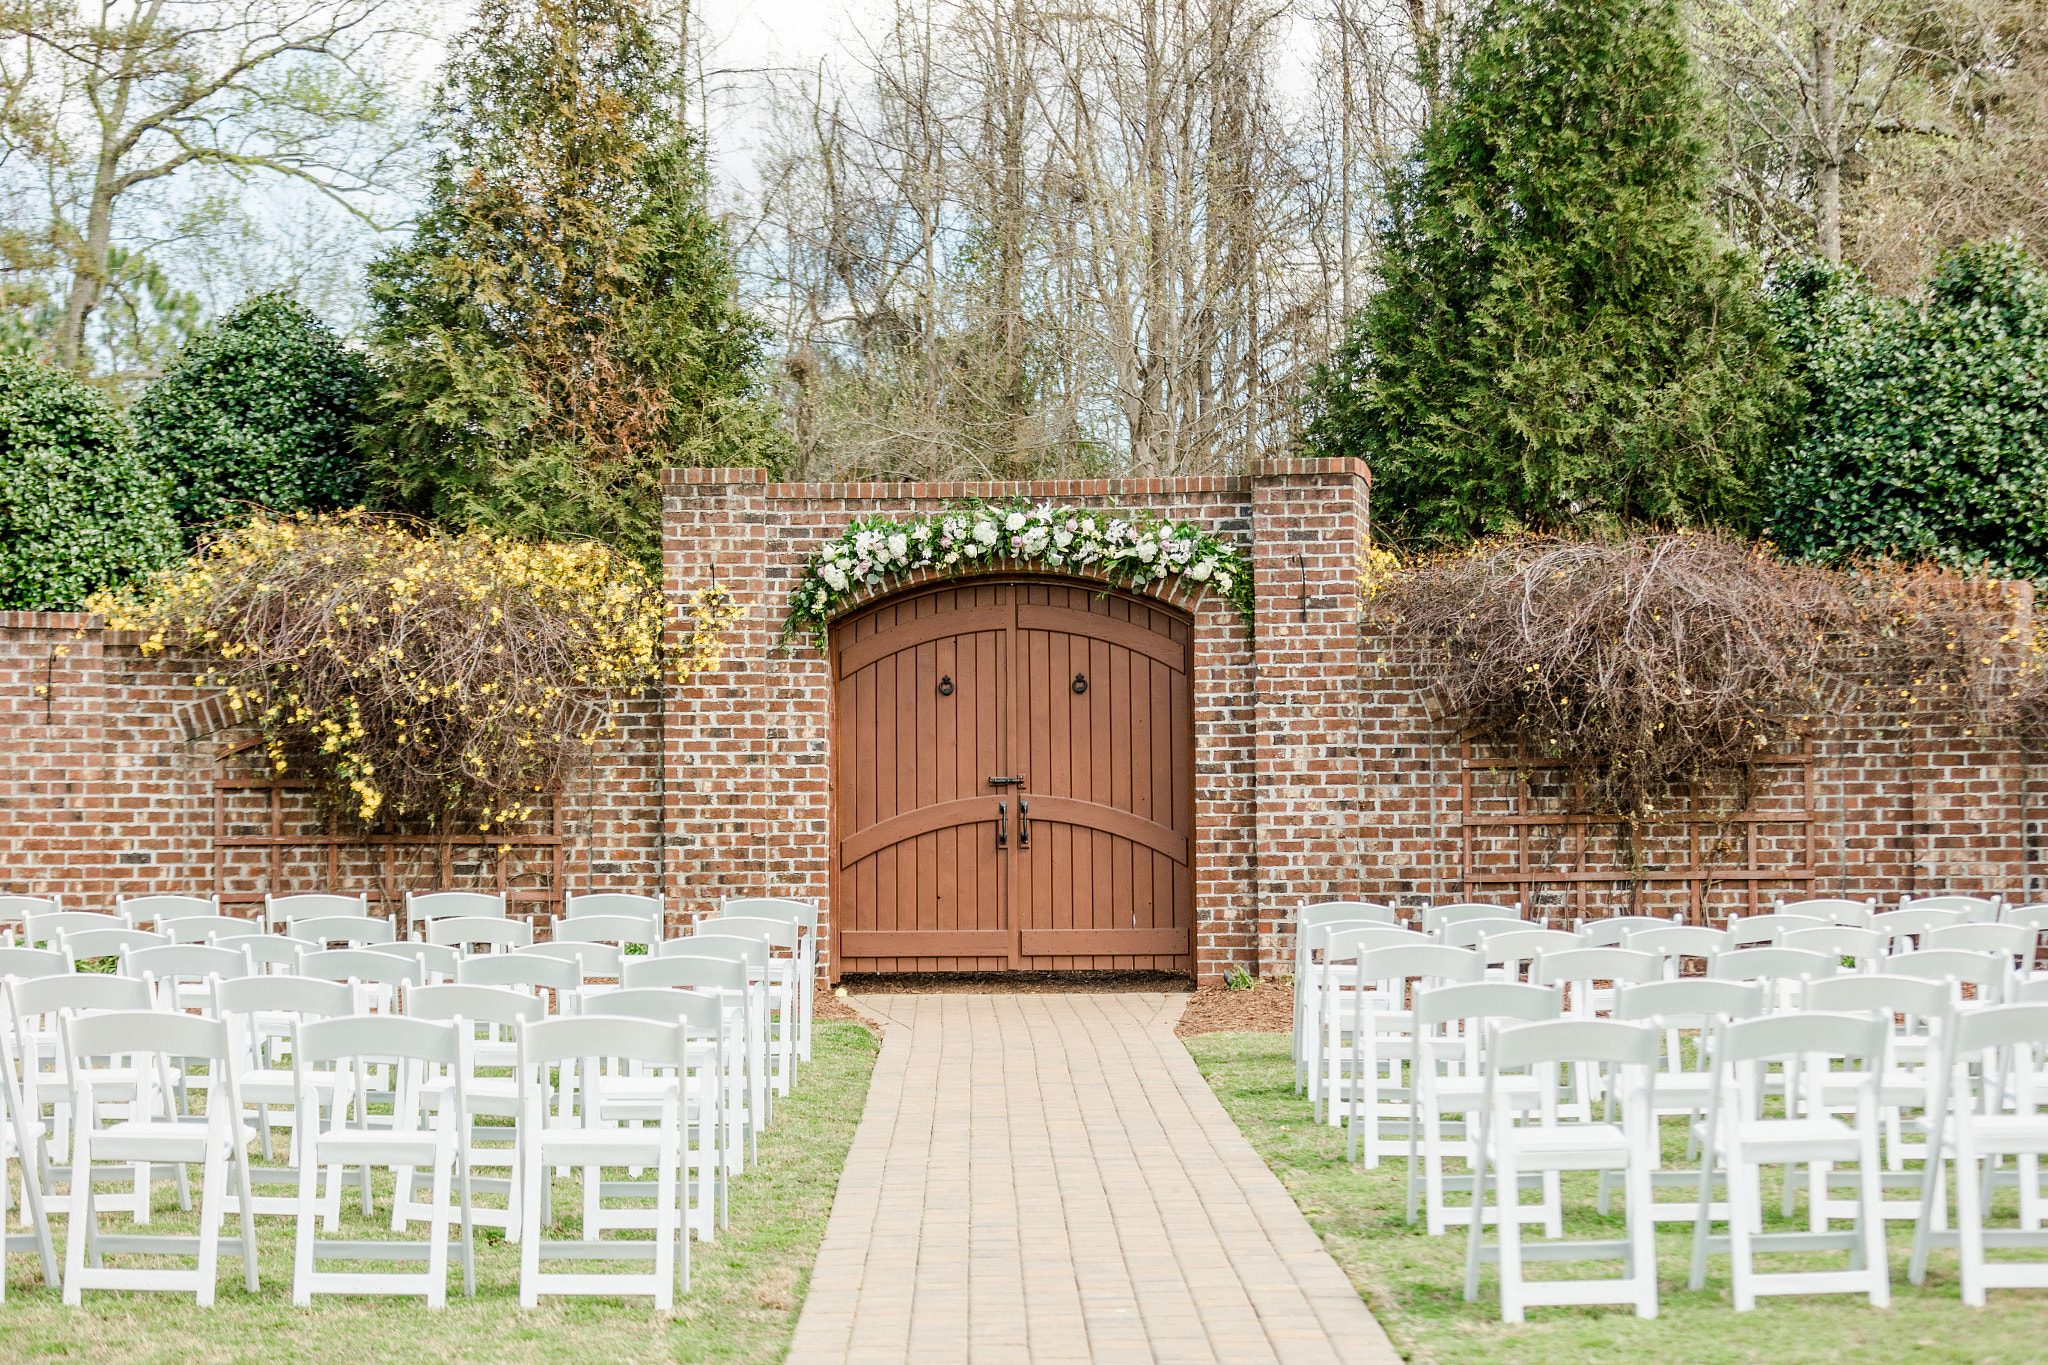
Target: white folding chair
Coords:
[[436, 961], [1780, 971], [179, 971], [145, 1044], [570, 1047], [642, 930], [804, 914], [264, 1009], [2003, 1114], [1509, 954], [1866, 946], [632, 1097], [498, 1011], [731, 982], [157, 910], [1741, 1138], [1989, 973], [270, 952], [562, 979], [469, 933], [1322, 1052], [614, 903], [350, 931], [1466, 933], [1915, 1009], [381, 975], [32, 962], [598, 965], [205, 928], [1581, 971], [1507, 1150], [2014, 940], [784, 988], [1677, 942], [278, 910], [1435, 917], [87, 945], [1676, 1089], [21, 1141], [37, 930], [16, 910], [1378, 1033], [425, 1129], [1903, 928], [1446, 1075], [764, 977], [421, 906], [1308, 962], [1834, 909], [1766, 931], [1609, 932], [1973, 909]]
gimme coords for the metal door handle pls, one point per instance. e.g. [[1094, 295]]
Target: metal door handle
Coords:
[[1002, 824], [1023, 824]]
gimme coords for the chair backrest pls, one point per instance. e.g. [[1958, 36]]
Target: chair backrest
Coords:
[[1524, 945], [552, 1041], [519, 969], [27, 962], [1608, 932], [695, 972], [437, 957], [425, 905], [313, 905], [467, 931], [1485, 1000], [1999, 1026], [1835, 910], [1329, 912], [205, 928], [1897, 924], [1980, 909], [270, 950], [2034, 916], [775, 933], [247, 995], [349, 929], [377, 1037], [1960, 964], [360, 964], [1838, 940], [803, 914], [2015, 939], [1860, 1036], [147, 1032], [16, 909], [1435, 917], [597, 959], [184, 961], [45, 928], [1348, 939], [140, 910], [1466, 933], [87, 944], [1596, 1041], [1622, 966], [1910, 995], [614, 903], [1767, 929], [700, 1015], [619, 929], [1433, 962], [480, 1004], [1689, 1003], [752, 949], [1771, 964], [79, 991]]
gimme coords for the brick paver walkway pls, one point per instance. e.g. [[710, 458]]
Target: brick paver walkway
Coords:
[[1048, 1178]]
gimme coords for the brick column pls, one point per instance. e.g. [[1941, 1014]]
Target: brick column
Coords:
[[1309, 520], [52, 753]]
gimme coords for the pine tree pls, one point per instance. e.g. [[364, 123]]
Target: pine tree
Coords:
[[563, 322], [1559, 337]]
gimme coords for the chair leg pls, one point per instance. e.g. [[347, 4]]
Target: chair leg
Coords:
[[1702, 1223], [84, 1217], [1641, 1221], [1745, 1211], [1870, 1223], [437, 1233], [529, 1237], [1970, 1228], [665, 1231], [213, 1190], [1508, 1192]]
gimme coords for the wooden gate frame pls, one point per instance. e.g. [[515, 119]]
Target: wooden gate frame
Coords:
[[1694, 874], [393, 904]]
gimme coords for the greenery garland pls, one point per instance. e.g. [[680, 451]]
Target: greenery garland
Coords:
[[1125, 547]]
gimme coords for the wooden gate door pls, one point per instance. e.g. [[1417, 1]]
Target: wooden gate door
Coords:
[[1013, 782]]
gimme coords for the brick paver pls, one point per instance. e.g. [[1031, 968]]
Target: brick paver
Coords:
[[1048, 1178]]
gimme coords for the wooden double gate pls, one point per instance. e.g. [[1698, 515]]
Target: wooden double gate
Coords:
[[1013, 782]]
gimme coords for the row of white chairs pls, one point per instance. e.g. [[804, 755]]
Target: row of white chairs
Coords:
[[599, 1084]]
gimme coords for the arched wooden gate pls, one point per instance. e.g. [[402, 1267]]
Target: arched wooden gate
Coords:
[[1013, 781]]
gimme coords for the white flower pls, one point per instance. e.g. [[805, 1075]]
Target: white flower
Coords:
[[834, 576], [1223, 581], [1014, 522], [1063, 538], [922, 531], [985, 532], [1201, 569], [899, 545], [1147, 550], [953, 558], [1087, 526]]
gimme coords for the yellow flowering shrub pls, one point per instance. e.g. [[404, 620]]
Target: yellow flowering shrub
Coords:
[[412, 673]]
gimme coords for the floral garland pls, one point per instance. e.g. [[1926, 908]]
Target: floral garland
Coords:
[[1125, 547]]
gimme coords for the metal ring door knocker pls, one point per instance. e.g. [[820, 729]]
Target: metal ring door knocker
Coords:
[[945, 687], [1080, 682]]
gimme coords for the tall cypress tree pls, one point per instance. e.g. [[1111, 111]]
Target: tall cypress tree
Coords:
[[1559, 337], [563, 322]]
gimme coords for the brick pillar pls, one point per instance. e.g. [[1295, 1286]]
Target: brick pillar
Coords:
[[52, 755], [714, 728], [1309, 520]]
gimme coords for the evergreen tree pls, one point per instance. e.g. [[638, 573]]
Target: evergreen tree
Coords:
[[1559, 337], [256, 413], [563, 322]]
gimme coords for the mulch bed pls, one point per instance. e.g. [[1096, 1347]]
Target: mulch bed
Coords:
[[1014, 983], [1268, 1007]]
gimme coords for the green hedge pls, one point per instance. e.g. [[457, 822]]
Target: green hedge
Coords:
[[256, 413], [79, 510], [1925, 434]]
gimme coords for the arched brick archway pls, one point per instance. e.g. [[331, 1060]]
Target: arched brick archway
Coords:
[[1013, 779]]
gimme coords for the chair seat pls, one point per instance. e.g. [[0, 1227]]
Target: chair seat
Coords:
[[161, 1140], [1768, 1141], [1564, 1147]]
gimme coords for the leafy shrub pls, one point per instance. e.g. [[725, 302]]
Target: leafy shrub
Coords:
[[78, 509], [1925, 434], [256, 414], [444, 677]]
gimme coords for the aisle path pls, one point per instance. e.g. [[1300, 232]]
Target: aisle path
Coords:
[[1042, 1178]]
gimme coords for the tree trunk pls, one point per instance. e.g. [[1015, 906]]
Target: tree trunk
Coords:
[[1827, 128]]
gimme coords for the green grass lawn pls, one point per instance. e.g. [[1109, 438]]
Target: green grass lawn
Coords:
[[746, 1291], [1414, 1283]]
